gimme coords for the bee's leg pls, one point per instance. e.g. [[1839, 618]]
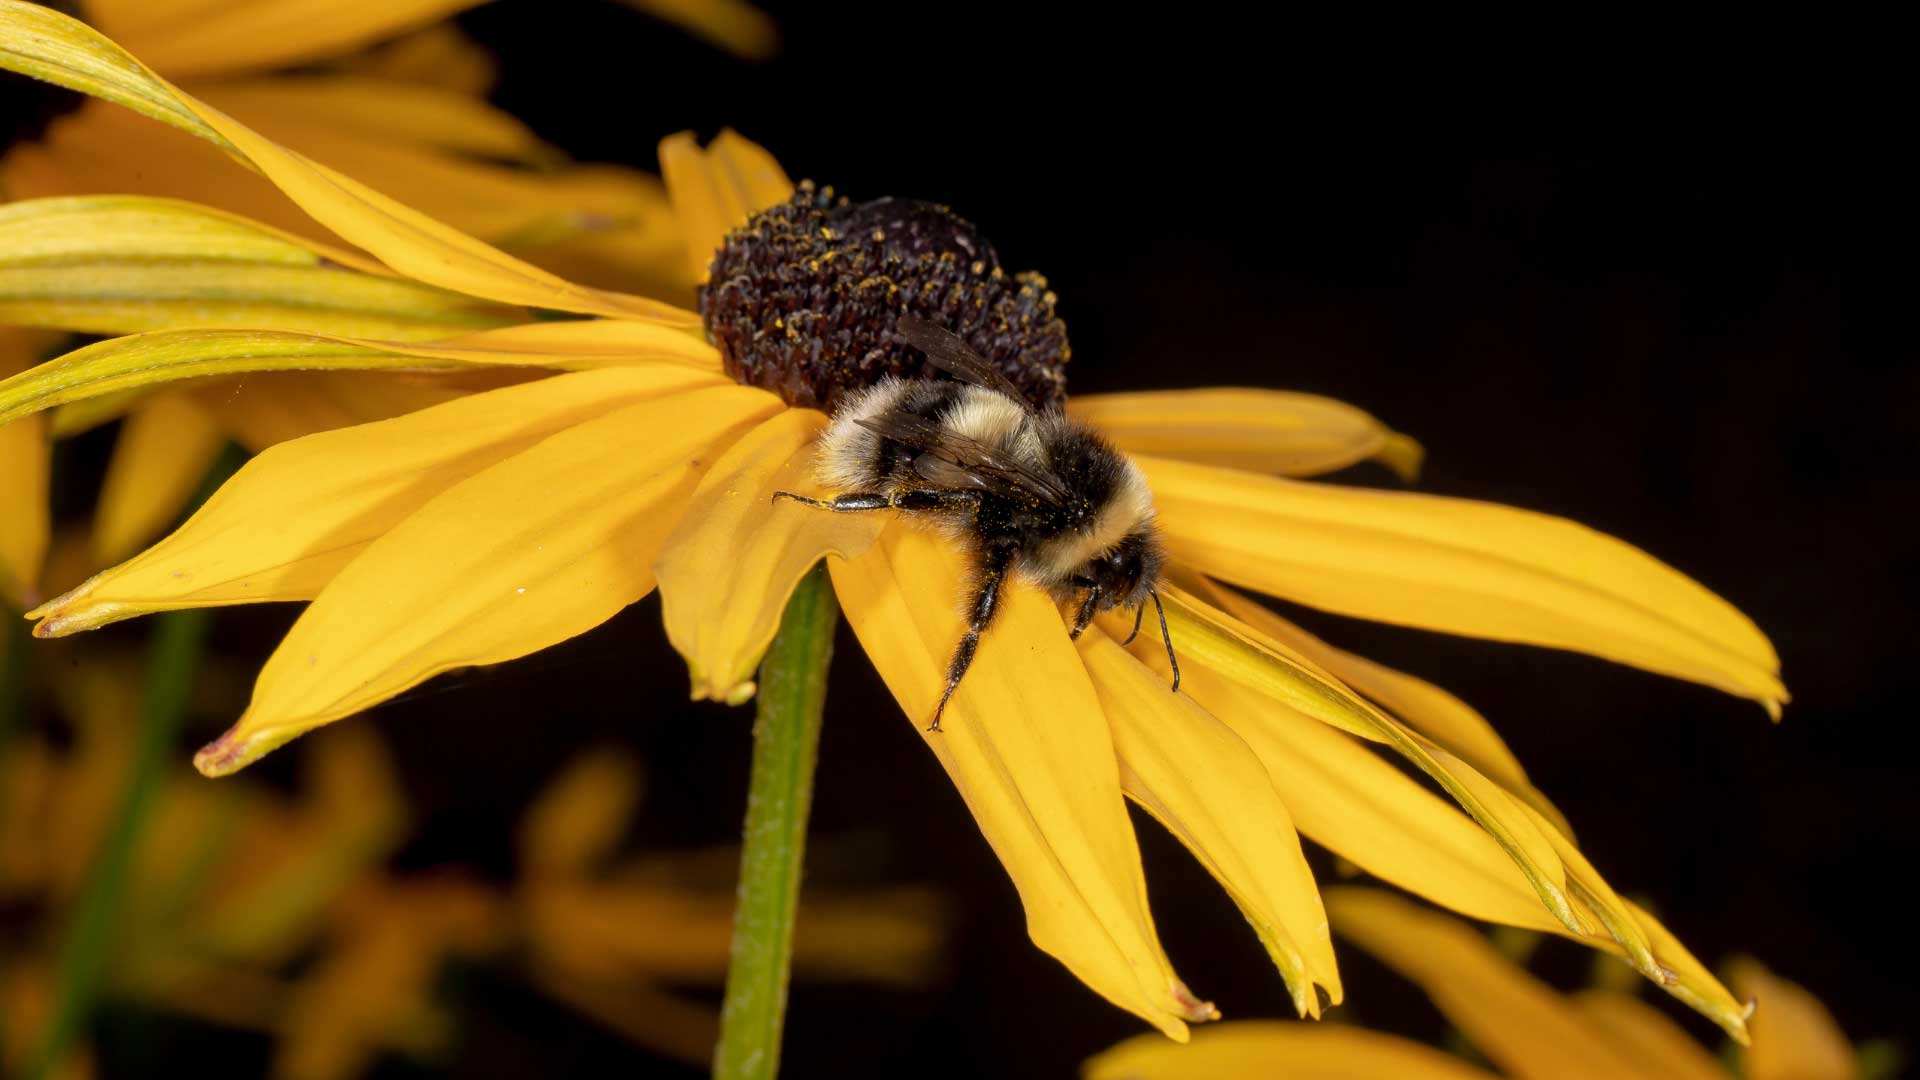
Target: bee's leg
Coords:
[[852, 502], [993, 571], [856, 501], [1087, 607], [1139, 613], [1172, 661]]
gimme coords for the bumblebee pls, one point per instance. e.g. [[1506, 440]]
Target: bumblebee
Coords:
[[1027, 492]]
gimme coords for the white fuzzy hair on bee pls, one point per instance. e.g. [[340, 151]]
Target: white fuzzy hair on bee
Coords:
[[1024, 491]]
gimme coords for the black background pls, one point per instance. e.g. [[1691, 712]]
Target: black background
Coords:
[[1658, 291]]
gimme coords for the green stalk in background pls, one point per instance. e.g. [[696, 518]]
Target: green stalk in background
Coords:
[[173, 667], [786, 742], [179, 641]]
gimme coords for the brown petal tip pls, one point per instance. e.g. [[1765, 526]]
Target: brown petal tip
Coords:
[[1191, 1007], [224, 756]]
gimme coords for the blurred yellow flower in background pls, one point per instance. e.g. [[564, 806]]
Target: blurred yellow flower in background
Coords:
[[388, 92], [500, 523], [258, 910], [1525, 1028]]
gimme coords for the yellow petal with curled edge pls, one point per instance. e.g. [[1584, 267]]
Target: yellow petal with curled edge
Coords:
[[125, 263], [1462, 567], [1231, 648], [1521, 1024], [47, 45], [1794, 1036], [714, 190], [527, 553], [199, 40], [293, 517], [162, 455], [1263, 431], [1421, 705], [25, 455], [1027, 745], [726, 572], [1660, 1048], [1347, 799], [1196, 777], [1645, 944], [145, 360], [1265, 1049]]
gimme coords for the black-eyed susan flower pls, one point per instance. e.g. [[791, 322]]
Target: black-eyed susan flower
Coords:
[[389, 93], [489, 527], [1521, 1026]]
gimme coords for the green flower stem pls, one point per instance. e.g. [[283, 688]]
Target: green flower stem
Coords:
[[179, 640], [786, 741]]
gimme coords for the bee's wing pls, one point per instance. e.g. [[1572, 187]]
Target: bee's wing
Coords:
[[961, 462], [946, 351]]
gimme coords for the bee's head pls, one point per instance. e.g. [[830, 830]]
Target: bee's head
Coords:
[[1126, 572]]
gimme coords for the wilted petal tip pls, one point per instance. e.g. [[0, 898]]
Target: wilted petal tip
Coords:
[[227, 755], [1193, 1008]]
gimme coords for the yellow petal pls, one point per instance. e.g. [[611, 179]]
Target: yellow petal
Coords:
[[1794, 1036], [716, 189], [580, 343], [1217, 640], [536, 549], [726, 572], [1647, 945], [371, 989], [261, 410], [1459, 566], [1026, 744], [627, 928], [505, 204], [1347, 799], [1661, 1049], [146, 360], [82, 416], [1263, 431], [1691, 982], [119, 264], [1364, 809], [1519, 1022], [438, 55], [1268, 1049], [293, 517], [199, 40], [103, 149], [25, 526], [42, 43], [1423, 706], [579, 819], [160, 460], [1196, 777], [382, 110], [734, 25]]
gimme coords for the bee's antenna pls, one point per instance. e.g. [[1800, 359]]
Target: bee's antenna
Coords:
[[1164, 636], [1139, 612]]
